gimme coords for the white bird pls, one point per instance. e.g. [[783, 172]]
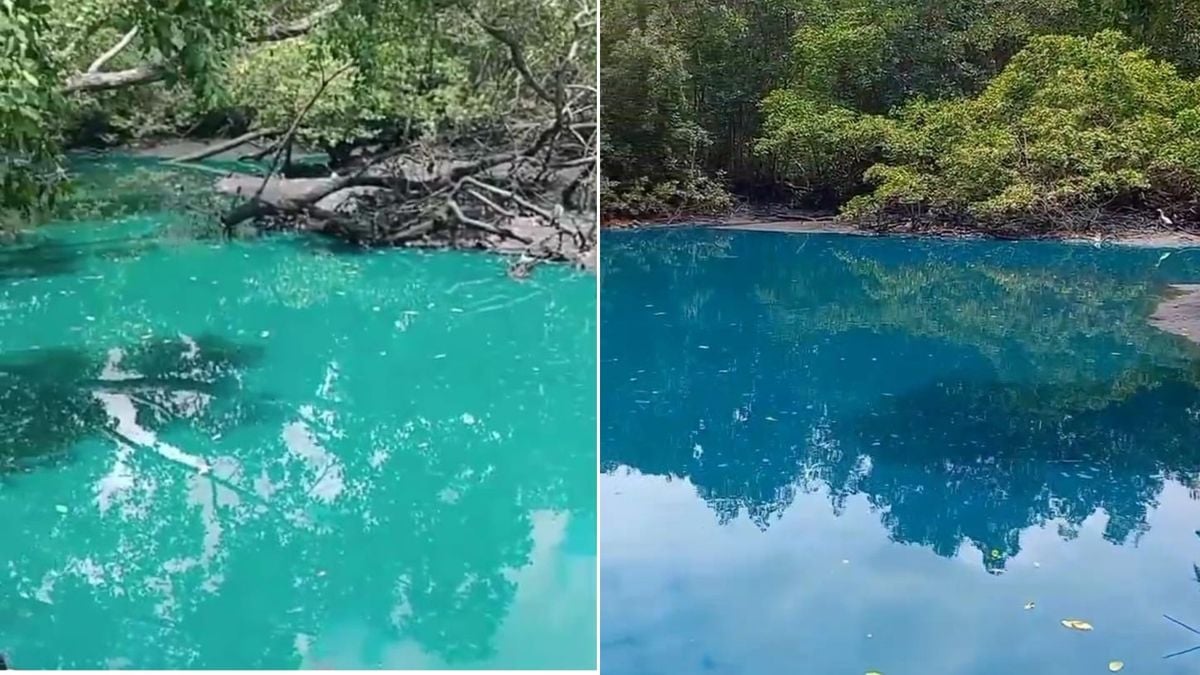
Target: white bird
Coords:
[[1162, 218]]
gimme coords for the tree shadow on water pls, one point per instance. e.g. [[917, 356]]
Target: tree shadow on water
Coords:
[[41, 256], [52, 399]]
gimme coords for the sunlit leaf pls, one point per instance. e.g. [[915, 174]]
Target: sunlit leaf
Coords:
[[1077, 624]]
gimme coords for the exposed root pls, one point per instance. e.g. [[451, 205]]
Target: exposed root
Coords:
[[524, 189]]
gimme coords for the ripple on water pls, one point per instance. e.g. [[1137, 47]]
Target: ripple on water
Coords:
[[274, 455]]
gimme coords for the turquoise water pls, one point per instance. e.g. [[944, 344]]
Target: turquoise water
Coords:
[[829, 454], [276, 453]]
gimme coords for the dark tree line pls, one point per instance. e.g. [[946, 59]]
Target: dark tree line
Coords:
[[968, 111]]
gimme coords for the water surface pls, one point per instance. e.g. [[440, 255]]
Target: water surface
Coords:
[[828, 454], [278, 453]]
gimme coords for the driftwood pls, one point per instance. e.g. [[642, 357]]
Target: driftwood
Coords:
[[525, 189], [225, 146]]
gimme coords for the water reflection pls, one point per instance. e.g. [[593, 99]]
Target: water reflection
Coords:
[[340, 473], [51, 399], [969, 392], [318, 509]]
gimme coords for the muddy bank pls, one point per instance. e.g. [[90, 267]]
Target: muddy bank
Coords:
[[748, 216], [529, 212], [1179, 312], [1149, 239], [177, 148], [802, 222]]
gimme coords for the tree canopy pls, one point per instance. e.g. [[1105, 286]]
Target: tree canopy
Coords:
[[381, 87], [959, 108]]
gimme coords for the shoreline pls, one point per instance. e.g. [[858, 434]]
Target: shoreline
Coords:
[[798, 223], [1178, 312], [521, 259]]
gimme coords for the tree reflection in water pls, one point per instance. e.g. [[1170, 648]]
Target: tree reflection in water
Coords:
[[968, 390]]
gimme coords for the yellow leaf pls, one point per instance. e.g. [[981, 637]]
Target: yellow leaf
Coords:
[[1114, 666], [1077, 624]]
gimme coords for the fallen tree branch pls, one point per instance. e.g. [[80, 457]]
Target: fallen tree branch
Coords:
[[225, 145], [480, 225], [508, 194], [298, 27], [116, 49], [285, 194], [259, 154], [95, 80], [143, 74], [518, 187], [491, 204]]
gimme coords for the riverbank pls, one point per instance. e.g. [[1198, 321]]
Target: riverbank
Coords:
[[768, 219], [366, 208]]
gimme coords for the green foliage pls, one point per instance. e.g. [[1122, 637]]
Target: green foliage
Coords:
[[681, 84], [407, 66], [650, 127], [818, 144], [423, 86], [1070, 122], [813, 94], [639, 198], [29, 102]]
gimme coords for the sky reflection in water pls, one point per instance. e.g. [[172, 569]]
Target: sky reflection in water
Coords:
[[833, 454], [268, 454]]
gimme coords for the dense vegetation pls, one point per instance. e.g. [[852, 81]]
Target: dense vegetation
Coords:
[[967, 112], [379, 87]]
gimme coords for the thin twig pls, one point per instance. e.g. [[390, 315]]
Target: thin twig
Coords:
[[1177, 621], [286, 142]]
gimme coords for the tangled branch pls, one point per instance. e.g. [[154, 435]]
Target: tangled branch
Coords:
[[526, 189]]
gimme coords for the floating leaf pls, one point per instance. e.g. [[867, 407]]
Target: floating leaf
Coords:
[[1029, 605], [1114, 666], [1076, 624], [874, 672]]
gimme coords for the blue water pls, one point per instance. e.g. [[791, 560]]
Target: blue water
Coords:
[[827, 454], [278, 453]]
